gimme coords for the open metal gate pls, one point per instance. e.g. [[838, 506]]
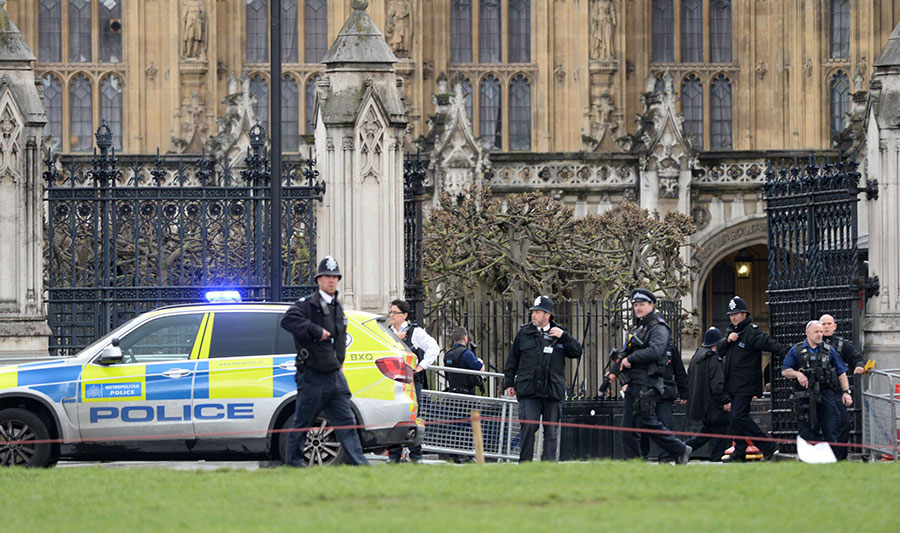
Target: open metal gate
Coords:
[[813, 263], [121, 239]]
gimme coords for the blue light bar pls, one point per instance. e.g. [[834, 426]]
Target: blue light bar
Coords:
[[217, 297]]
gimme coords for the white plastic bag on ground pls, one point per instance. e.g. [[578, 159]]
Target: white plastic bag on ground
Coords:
[[820, 453]]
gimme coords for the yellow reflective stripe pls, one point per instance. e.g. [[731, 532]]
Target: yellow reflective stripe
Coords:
[[9, 378], [195, 352], [112, 375], [207, 337], [231, 377]]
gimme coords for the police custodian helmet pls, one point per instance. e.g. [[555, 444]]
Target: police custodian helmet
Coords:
[[542, 303], [328, 267], [737, 305]]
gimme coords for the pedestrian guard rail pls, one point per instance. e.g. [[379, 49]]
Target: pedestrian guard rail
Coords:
[[881, 414]]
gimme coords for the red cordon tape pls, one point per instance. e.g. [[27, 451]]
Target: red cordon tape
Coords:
[[180, 436]]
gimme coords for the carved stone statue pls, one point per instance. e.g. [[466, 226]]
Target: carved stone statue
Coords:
[[193, 30], [399, 27], [603, 30]]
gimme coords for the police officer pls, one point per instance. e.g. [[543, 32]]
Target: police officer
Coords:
[[742, 350], [460, 356], [820, 374], [426, 349], [709, 403], [675, 387], [854, 361], [644, 365], [319, 327], [535, 372]]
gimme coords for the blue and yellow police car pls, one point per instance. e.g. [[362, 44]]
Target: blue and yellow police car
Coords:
[[203, 381]]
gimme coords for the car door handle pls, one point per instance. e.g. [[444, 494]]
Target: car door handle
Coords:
[[176, 373], [288, 365]]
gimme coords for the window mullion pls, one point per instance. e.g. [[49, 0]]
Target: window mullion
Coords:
[[504, 116], [504, 31], [476, 31], [95, 32], [706, 28], [64, 24], [676, 31], [301, 39]]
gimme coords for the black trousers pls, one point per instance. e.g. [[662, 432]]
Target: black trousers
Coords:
[[415, 452], [323, 392], [665, 414], [742, 424], [640, 412], [535, 409], [844, 425], [827, 419], [718, 446]]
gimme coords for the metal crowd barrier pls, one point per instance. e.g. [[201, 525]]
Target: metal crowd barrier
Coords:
[[500, 432], [880, 412]]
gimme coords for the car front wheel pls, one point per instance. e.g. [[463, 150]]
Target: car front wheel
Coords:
[[24, 439]]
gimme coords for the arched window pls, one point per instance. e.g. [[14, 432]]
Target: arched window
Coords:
[[692, 108], [520, 114], [53, 107], [691, 31], [461, 31], [80, 31], [81, 124], [257, 31], [259, 90], [290, 114], [491, 111], [840, 101], [289, 31], [467, 93], [111, 108], [519, 31], [110, 31], [720, 107], [489, 31], [315, 30], [50, 31], [840, 28], [311, 103], [720, 31], [663, 31]]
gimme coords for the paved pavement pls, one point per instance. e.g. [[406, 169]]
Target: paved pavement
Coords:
[[206, 465]]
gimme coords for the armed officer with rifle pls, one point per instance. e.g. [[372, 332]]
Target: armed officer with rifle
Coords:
[[642, 362], [820, 375]]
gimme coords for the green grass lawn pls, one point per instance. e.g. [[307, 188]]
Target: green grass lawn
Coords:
[[565, 497]]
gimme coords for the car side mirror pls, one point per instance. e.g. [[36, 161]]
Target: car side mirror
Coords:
[[112, 354]]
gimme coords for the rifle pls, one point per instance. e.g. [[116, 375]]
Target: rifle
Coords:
[[613, 363], [811, 393]]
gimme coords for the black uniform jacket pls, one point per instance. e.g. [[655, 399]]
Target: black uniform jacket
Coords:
[[532, 372], [675, 379], [306, 320], [707, 386], [647, 363], [743, 358], [848, 352]]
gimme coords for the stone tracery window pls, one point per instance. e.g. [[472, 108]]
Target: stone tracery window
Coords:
[[840, 28], [692, 108], [110, 31], [53, 98], [840, 102], [520, 114], [519, 31], [259, 90], [257, 31], [290, 114], [663, 31], [315, 30], [111, 107], [720, 31], [691, 31], [720, 107], [80, 50], [489, 31], [491, 113], [50, 31], [289, 31], [81, 119], [461, 31]]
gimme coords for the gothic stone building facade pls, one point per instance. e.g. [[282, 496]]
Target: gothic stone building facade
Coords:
[[675, 104]]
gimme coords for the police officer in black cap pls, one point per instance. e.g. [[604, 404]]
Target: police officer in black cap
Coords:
[[535, 372], [742, 350], [319, 327], [644, 363]]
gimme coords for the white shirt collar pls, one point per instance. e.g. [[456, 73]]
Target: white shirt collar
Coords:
[[546, 328], [325, 296], [402, 327]]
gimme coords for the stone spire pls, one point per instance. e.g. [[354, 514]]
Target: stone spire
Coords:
[[890, 54], [360, 45]]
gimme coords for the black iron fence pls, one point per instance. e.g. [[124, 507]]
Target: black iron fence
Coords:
[[413, 199], [813, 261], [493, 325], [124, 238]]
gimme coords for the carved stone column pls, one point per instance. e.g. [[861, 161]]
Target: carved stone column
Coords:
[[360, 124], [23, 321]]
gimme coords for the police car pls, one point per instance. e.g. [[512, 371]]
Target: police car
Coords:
[[201, 381]]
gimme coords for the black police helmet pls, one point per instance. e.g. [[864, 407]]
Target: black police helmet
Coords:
[[643, 295], [711, 337], [328, 267], [737, 305], [543, 303]]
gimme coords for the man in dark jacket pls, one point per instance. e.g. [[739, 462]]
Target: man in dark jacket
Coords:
[[535, 372], [460, 356], [708, 401], [319, 327], [856, 366], [742, 350], [675, 387], [646, 357]]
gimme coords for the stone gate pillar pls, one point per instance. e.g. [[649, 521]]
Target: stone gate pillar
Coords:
[[882, 324], [23, 322], [360, 123]]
